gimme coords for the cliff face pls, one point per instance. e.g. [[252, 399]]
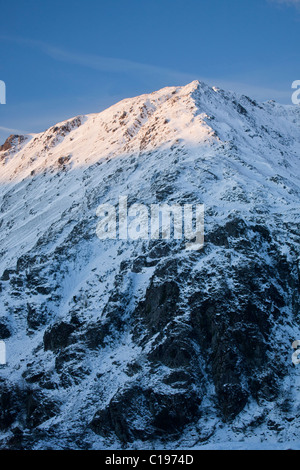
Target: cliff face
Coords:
[[143, 343]]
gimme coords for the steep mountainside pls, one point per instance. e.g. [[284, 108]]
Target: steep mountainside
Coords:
[[144, 344]]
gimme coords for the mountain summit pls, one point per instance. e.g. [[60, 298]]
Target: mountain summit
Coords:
[[141, 343]]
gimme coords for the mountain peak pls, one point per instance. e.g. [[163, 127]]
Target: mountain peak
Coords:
[[194, 85], [126, 342], [192, 115]]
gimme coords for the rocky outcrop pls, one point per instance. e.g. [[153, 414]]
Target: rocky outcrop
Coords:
[[11, 141]]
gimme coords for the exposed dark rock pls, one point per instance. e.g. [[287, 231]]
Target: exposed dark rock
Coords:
[[143, 413], [58, 336], [5, 329]]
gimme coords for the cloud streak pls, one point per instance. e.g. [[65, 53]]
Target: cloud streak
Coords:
[[12, 131], [103, 64], [295, 3], [137, 69]]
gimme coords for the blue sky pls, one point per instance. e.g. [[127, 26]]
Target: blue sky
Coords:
[[64, 58]]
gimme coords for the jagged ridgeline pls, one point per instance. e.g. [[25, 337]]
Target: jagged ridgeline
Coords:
[[142, 343]]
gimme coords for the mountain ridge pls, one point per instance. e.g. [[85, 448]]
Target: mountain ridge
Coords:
[[142, 344]]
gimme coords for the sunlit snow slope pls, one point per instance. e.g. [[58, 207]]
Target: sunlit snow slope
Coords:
[[142, 343]]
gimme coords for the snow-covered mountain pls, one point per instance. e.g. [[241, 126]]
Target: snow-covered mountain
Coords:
[[143, 344]]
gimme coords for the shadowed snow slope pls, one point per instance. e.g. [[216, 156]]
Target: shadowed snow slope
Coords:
[[144, 344]]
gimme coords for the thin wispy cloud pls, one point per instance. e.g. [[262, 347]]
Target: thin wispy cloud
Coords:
[[125, 66], [295, 3], [13, 131], [6, 131], [103, 64]]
